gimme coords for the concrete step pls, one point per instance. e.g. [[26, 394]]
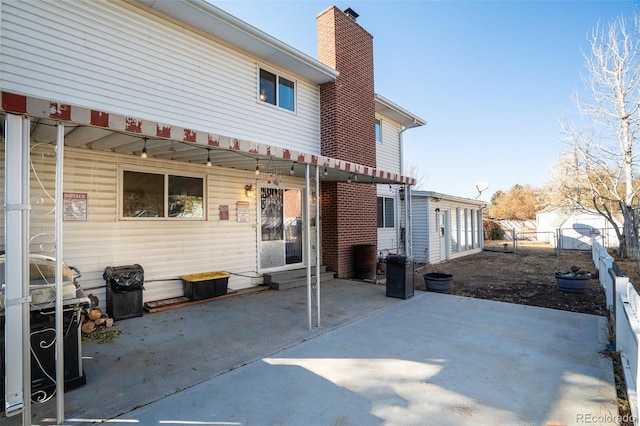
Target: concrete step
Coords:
[[290, 274], [297, 280]]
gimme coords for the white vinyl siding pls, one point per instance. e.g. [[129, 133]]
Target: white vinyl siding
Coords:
[[463, 232], [165, 249], [118, 58], [421, 235], [388, 236], [388, 152], [388, 158]]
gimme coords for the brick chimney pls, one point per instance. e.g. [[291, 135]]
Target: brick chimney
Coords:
[[349, 210]]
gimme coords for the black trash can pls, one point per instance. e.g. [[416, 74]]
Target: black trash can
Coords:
[[400, 277], [124, 291]]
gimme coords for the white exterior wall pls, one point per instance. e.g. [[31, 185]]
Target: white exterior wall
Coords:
[[119, 58], [420, 227], [388, 152], [548, 223], [388, 237], [428, 245], [165, 249], [388, 158], [575, 229]]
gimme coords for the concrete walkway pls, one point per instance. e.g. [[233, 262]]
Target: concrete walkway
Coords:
[[430, 360]]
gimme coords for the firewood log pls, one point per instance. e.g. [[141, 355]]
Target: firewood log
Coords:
[[94, 314], [88, 327]]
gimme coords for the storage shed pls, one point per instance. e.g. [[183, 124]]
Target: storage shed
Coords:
[[573, 228], [445, 226]]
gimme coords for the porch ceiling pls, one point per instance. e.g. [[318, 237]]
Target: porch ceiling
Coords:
[[43, 130]]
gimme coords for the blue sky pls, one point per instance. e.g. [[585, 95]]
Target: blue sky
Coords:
[[491, 78]]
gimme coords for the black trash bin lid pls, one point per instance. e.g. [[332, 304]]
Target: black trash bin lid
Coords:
[[124, 278], [396, 259]]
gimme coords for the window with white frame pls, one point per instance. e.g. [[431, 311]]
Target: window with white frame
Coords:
[[161, 195], [277, 90], [386, 212], [378, 131]]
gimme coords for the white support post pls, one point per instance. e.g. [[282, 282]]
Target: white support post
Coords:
[[408, 232], [307, 255], [16, 296], [317, 213], [59, 313]]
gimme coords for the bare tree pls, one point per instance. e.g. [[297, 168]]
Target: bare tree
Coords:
[[599, 172], [413, 170]]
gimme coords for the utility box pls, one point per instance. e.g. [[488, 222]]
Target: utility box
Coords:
[[400, 282]]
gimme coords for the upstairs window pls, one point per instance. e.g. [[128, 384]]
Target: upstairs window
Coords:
[[277, 90], [378, 131]]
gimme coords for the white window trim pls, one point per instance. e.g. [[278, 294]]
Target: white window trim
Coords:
[[278, 74], [384, 212], [121, 168], [379, 141]]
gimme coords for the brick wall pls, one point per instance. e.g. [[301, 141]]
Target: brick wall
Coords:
[[347, 132]]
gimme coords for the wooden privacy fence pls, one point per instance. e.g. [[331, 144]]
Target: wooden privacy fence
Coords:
[[623, 302]]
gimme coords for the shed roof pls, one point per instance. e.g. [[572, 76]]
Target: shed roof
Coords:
[[446, 197]]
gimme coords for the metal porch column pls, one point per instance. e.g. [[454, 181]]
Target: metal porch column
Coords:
[[16, 225], [59, 257]]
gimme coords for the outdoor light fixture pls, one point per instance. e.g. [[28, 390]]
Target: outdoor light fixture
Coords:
[[144, 150], [248, 190], [257, 168], [292, 171], [208, 157], [349, 179], [326, 172], [401, 193]]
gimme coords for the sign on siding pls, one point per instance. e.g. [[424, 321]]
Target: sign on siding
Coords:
[[242, 209], [75, 206], [224, 212]]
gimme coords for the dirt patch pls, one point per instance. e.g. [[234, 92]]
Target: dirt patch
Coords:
[[526, 277]]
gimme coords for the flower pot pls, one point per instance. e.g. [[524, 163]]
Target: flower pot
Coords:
[[573, 283], [440, 283]]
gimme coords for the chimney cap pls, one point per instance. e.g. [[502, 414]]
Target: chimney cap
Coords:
[[351, 13]]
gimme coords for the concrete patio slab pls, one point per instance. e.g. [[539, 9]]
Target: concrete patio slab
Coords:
[[432, 359]]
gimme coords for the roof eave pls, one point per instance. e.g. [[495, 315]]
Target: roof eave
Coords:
[[407, 119]]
